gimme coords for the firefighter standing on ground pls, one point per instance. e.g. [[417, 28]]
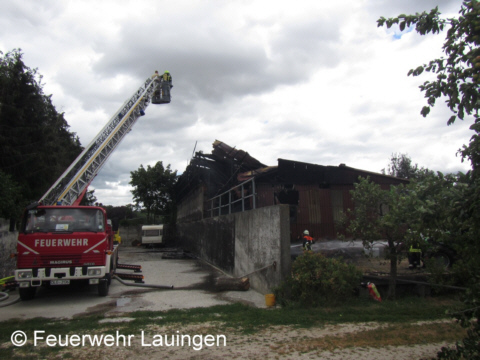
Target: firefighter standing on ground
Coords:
[[307, 240], [415, 256]]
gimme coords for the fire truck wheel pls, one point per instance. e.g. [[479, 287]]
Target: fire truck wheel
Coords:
[[104, 285], [27, 293]]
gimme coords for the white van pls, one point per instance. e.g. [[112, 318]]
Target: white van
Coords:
[[152, 234]]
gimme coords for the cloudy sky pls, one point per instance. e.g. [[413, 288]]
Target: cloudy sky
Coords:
[[307, 80]]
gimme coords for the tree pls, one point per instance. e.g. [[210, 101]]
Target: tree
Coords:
[[153, 189], [11, 200], [458, 73], [123, 212], [458, 79], [372, 221], [408, 214], [453, 218], [118, 214], [36, 144], [401, 166]]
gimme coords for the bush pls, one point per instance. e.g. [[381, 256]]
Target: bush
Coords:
[[468, 347], [317, 280]]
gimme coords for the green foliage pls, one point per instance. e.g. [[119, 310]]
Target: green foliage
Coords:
[[366, 217], [433, 198], [135, 222], [425, 22], [10, 197], [401, 166], [378, 215], [36, 145], [458, 73], [469, 347], [428, 207], [120, 212], [125, 215], [318, 281], [441, 281], [154, 189], [458, 79], [472, 151]]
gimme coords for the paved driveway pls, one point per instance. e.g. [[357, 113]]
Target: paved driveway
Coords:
[[192, 281]]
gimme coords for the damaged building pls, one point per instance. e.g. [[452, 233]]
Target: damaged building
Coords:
[[241, 215], [229, 181]]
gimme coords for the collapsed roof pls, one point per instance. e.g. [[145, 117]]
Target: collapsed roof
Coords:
[[226, 167], [217, 171]]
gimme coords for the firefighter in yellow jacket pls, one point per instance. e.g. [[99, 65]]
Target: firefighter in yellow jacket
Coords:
[[414, 256], [166, 85]]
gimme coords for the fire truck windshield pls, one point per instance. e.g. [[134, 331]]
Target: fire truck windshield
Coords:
[[63, 219]]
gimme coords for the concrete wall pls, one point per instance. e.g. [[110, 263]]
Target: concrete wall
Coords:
[[262, 237], [130, 233], [212, 240], [242, 243], [8, 245]]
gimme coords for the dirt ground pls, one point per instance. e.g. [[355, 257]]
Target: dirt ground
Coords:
[[278, 342], [379, 266]]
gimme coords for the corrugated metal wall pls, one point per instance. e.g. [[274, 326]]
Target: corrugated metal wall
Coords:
[[314, 212], [317, 210]]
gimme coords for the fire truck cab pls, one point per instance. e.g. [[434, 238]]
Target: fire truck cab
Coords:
[[58, 245]]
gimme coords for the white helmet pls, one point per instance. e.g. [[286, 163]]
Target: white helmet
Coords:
[[306, 232]]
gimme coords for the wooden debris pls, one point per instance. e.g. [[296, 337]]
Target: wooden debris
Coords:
[[232, 284]]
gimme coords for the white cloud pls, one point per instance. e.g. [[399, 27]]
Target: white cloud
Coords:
[[312, 81]]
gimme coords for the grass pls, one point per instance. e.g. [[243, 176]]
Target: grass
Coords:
[[396, 318]]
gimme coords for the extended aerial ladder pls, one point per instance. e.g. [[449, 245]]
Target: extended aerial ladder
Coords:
[[71, 186]]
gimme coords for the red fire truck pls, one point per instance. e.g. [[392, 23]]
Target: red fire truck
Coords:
[[60, 241]]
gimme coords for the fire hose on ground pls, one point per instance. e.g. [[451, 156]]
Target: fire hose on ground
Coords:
[[143, 285], [4, 295]]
